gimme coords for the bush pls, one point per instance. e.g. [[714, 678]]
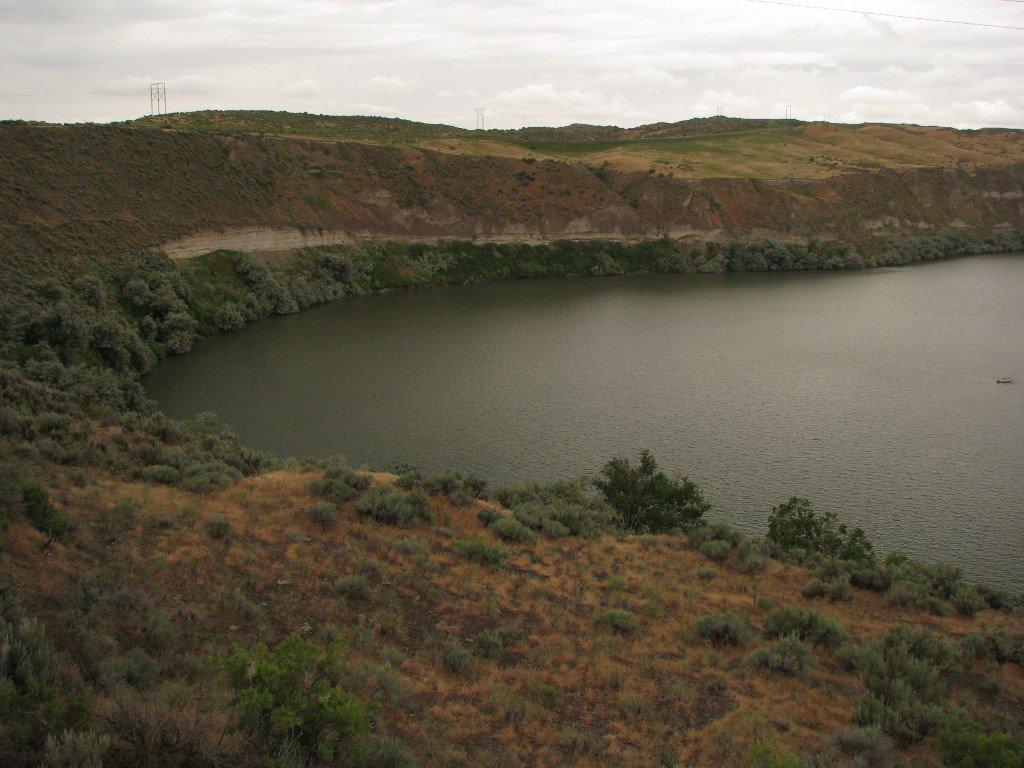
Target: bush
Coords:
[[751, 557], [324, 514], [386, 752], [488, 515], [706, 574], [795, 525], [967, 601], [481, 552], [648, 501], [866, 747], [388, 505], [965, 744], [457, 659], [716, 550], [219, 527], [789, 656], [806, 624], [334, 490], [902, 674], [620, 621], [725, 629], [161, 473], [72, 749], [816, 588], [489, 643], [355, 586], [40, 511], [291, 697], [209, 476], [339, 470], [994, 645], [510, 530]]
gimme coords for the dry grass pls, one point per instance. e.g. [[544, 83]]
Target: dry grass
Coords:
[[562, 689]]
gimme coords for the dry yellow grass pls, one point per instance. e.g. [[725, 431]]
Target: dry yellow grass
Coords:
[[563, 691]]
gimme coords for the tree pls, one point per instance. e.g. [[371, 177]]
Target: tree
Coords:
[[795, 525], [649, 501]]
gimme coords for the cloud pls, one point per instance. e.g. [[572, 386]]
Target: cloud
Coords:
[[390, 84], [303, 89], [527, 61]]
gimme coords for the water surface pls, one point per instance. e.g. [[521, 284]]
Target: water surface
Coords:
[[873, 393]]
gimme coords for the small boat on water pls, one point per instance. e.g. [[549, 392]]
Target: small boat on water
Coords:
[[1006, 380]]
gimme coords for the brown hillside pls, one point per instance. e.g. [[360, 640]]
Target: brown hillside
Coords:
[[562, 690], [84, 192]]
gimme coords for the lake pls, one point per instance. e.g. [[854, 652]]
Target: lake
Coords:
[[873, 393]]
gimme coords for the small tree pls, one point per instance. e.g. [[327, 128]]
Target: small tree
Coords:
[[647, 500], [290, 697], [795, 525]]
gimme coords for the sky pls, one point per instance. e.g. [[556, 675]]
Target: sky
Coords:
[[525, 62]]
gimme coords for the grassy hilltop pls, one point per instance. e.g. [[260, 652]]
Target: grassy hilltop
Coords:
[[170, 597]]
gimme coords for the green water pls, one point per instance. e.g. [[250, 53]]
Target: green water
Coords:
[[872, 393]]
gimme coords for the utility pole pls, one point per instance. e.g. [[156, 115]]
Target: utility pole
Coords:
[[718, 111], [480, 118], [789, 111], [157, 99]]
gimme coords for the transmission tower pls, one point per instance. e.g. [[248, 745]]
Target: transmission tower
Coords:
[[789, 111], [480, 118], [158, 99]]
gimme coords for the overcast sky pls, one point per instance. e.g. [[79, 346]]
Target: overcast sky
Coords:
[[527, 62]]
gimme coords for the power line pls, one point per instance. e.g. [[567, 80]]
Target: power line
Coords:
[[135, 91], [889, 15]]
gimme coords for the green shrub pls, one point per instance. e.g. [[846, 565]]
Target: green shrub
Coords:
[[795, 525], [967, 601], [994, 645], [340, 471], [620, 621], [510, 530], [716, 550], [488, 515], [219, 527], [965, 744], [161, 473], [866, 747], [706, 574], [902, 672], [806, 624], [355, 586], [391, 506], [647, 500], [751, 557], [816, 588], [40, 511], [291, 696], [459, 489], [121, 518], [75, 749], [789, 656], [159, 630], [332, 489], [456, 658], [481, 552], [725, 629], [489, 643], [208, 476], [386, 752], [324, 514], [765, 754]]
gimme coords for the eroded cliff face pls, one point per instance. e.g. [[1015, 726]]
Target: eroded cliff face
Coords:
[[80, 193]]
